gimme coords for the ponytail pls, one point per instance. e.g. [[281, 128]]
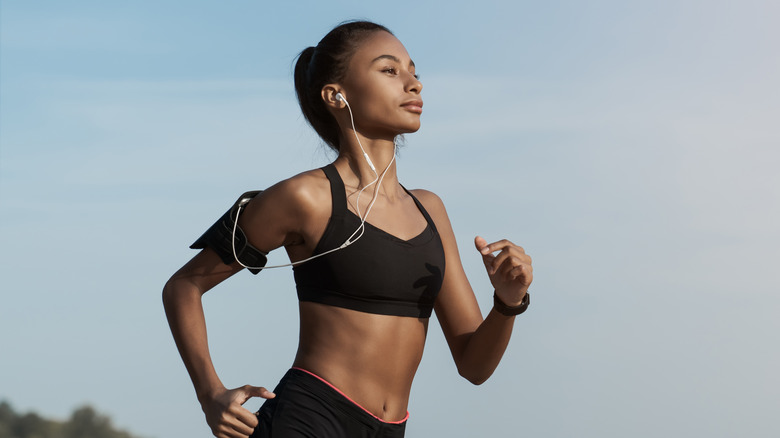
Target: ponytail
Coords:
[[310, 100]]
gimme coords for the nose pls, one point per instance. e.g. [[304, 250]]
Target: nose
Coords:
[[413, 84]]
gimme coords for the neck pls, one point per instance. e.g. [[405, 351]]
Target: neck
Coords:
[[381, 153]]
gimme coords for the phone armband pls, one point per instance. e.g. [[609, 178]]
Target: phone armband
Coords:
[[220, 238]]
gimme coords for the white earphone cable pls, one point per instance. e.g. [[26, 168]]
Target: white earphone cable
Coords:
[[360, 229]]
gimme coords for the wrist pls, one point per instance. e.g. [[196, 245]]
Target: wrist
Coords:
[[511, 310], [209, 394]]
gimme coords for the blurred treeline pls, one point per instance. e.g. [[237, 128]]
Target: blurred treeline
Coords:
[[84, 422]]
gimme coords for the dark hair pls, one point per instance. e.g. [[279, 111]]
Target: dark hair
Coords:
[[325, 64]]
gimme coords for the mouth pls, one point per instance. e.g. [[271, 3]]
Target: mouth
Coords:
[[414, 106]]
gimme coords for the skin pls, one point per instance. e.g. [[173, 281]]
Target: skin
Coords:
[[376, 371]]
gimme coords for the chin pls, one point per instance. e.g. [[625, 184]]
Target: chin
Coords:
[[403, 129], [411, 129]]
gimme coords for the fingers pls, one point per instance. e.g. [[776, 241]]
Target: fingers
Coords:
[[255, 391], [235, 422], [231, 419], [248, 420], [246, 423], [510, 256], [481, 244], [227, 431], [484, 249], [523, 272]]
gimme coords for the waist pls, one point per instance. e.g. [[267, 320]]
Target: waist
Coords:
[[372, 359], [331, 392]]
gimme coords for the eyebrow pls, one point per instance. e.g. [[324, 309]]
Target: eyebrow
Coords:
[[392, 58]]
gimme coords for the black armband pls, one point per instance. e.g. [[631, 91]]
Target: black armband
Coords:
[[219, 237]]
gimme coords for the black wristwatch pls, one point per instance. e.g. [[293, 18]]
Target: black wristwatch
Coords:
[[511, 311]]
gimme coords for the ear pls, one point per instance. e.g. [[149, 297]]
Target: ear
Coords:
[[328, 93]]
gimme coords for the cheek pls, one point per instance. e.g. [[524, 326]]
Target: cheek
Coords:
[[373, 104], [370, 96], [372, 89]]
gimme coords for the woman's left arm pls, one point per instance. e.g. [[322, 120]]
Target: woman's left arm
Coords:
[[477, 344]]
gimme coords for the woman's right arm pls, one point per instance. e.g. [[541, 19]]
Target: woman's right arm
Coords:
[[182, 300], [283, 215]]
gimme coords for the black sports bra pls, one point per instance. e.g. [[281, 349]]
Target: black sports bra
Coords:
[[379, 273]]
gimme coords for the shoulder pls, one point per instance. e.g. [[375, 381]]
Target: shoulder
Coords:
[[430, 201], [282, 214], [302, 185], [303, 191], [435, 208], [288, 205]]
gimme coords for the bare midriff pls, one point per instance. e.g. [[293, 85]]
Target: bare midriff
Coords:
[[372, 359]]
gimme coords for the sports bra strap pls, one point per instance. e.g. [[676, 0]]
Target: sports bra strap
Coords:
[[421, 208], [337, 191], [339, 196]]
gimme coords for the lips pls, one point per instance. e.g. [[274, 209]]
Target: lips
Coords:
[[414, 106]]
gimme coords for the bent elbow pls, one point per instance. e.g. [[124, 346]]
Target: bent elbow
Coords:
[[473, 377], [477, 381], [167, 293], [178, 291], [170, 293]]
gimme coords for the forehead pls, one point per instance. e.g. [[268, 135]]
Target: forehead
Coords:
[[377, 44]]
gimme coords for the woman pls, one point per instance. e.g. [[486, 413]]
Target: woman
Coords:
[[366, 295]]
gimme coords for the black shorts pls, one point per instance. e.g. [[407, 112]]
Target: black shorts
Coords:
[[307, 406]]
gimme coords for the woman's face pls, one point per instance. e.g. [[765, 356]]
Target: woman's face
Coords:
[[382, 89]]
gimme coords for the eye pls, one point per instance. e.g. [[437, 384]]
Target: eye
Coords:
[[390, 70]]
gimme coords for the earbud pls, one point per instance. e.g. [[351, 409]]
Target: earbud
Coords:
[[340, 97]]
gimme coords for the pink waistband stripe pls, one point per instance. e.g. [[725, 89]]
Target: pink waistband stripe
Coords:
[[351, 401]]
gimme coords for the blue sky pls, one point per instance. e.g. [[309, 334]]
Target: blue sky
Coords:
[[631, 147]]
